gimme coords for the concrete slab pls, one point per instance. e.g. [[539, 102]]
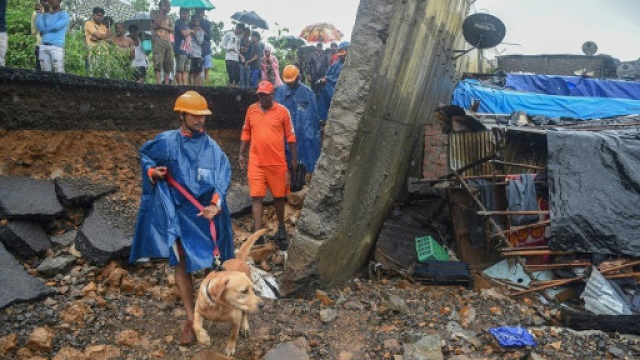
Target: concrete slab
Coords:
[[101, 239], [80, 192], [25, 239], [16, 284], [25, 198]]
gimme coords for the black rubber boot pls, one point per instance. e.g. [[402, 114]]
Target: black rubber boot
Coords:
[[282, 239]]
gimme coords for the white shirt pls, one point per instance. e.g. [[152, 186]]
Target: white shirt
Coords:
[[140, 57], [231, 42]]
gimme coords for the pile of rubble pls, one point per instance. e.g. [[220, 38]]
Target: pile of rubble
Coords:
[[75, 214]]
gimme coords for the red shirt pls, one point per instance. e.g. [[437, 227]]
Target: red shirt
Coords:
[[267, 131]]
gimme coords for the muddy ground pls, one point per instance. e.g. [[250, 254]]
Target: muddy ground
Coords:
[[124, 312]]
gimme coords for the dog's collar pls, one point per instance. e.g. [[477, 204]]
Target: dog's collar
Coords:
[[207, 291]]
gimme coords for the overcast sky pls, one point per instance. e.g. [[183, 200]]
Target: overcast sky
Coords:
[[539, 26], [562, 26], [292, 14]]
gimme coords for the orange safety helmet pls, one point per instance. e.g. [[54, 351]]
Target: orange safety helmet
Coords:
[[192, 103], [290, 73]]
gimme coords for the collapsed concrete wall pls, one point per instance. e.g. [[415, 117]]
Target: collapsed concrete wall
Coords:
[[601, 65], [32, 100], [400, 69]]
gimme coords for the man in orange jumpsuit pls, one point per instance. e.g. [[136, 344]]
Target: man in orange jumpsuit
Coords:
[[267, 126]]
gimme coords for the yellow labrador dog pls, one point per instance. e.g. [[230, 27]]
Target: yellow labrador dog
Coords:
[[227, 296]]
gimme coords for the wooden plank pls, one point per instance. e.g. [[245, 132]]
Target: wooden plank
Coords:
[[524, 166], [519, 212]]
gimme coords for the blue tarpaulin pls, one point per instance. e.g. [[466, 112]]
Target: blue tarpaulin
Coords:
[[574, 86], [501, 101], [198, 164], [512, 336]]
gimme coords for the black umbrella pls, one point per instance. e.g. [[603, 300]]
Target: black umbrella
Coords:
[[250, 18], [291, 41], [142, 19]]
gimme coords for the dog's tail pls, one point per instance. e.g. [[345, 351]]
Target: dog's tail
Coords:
[[243, 253]]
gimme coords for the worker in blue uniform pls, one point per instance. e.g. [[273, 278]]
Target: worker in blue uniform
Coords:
[[176, 165]]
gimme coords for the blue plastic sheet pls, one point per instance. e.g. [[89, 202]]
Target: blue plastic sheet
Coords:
[[301, 103], [513, 336], [324, 101], [501, 101], [574, 86], [199, 165]]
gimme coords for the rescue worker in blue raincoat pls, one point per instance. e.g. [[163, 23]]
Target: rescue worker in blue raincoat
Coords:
[[300, 100], [169, 225], [330, 80]]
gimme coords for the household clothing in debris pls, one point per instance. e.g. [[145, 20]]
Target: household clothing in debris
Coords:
[[300, 100], [486, 195], [574, 86], [501, 101], [521, 194], [594, 191], [324, 101], [198, 164]]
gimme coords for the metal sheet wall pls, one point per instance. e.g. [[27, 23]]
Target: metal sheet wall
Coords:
[[515, 146]]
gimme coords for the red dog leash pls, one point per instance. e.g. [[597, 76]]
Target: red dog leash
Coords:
[[192, 200]]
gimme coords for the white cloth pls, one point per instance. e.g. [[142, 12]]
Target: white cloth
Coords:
[[231, 42], [140, 58], [52, 57], [3, 46]]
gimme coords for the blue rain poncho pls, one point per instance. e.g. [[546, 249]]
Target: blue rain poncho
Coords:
[[199, 165], [301, 103], [324, 101]]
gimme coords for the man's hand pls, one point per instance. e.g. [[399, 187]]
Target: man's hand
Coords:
[[209, 212], [159, 173], [242, 161]]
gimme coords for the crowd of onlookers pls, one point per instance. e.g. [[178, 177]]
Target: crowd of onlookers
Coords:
[[181, 51]]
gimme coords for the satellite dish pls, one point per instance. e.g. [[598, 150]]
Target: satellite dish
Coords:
[[589, 48], [626, 70], [483, 31]]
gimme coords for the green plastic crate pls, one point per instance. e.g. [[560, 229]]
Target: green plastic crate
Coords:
[[429, 249]]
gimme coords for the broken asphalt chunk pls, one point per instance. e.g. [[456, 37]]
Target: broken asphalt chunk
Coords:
[[100, 240], [80, 192], [25, 239], [24, 198], [16, 284]]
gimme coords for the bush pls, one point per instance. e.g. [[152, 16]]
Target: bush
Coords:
[[22, 45]]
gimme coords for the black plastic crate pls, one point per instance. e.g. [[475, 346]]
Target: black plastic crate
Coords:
[[443, 272]]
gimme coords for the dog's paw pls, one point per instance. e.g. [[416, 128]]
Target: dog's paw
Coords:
[[203, 339], [230, 351], [245, 333]]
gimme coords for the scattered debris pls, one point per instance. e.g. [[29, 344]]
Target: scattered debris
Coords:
[[291, 350], [65, 239], [55, 265], [427, 347]]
